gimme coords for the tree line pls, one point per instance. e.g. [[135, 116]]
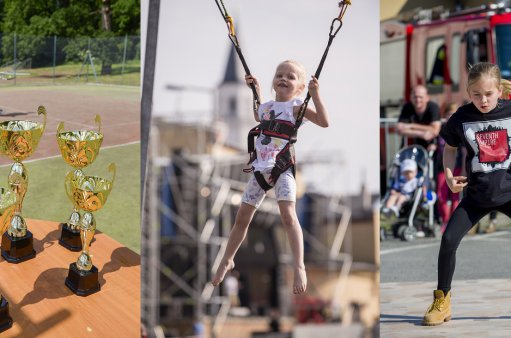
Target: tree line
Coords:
[[31, 26]]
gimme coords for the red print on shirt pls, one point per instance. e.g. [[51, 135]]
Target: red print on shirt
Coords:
[[493, 146]]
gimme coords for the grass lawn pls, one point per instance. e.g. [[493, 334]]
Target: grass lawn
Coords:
[[46, 198]]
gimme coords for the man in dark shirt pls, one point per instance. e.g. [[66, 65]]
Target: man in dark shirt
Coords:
[[420, 119]]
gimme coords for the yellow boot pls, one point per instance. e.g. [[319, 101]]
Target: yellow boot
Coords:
[[440, 310]]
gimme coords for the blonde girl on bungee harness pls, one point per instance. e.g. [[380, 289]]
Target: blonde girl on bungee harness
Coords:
[[288, 83]]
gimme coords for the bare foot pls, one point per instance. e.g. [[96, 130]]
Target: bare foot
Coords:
[[300, 281], [221, 271]]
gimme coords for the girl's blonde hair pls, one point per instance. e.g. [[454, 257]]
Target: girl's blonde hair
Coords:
[[506, 89], [302, 73], [477, 71]]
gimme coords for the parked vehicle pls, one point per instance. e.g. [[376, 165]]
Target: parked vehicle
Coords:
[[438, 52]]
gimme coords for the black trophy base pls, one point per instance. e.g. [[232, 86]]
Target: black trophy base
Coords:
[[5, 319], [70, 239], [17, 249], [82, 283]]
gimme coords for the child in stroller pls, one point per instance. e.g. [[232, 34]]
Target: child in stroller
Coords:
[[403, 188], [408, 206]]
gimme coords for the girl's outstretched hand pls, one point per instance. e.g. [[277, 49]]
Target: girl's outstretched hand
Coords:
[[455, 183]]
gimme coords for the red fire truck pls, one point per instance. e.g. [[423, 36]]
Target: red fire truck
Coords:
[[438, 52]]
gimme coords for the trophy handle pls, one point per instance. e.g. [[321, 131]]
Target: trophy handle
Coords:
[[60, 127], [97, 119], [42, 110], [112, 168]]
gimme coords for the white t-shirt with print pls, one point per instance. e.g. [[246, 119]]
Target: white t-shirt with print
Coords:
[[268, 147]]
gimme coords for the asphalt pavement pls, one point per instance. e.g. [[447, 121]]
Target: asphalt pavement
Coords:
[[479, 256]]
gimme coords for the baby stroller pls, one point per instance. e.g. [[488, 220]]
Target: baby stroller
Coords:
[[416, 214]]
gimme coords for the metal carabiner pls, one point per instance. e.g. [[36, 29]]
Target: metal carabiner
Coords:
[[230, 25], [343, 5]]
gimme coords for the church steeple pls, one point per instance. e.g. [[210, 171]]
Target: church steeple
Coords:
[[232, 71], [235, 102]]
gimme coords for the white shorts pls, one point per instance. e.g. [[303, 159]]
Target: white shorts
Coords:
[[285, 189]]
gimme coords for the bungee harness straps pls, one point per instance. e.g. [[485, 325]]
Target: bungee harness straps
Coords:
[[285, 158], [282, 129]]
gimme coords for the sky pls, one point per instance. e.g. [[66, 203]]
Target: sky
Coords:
[[192, 51]]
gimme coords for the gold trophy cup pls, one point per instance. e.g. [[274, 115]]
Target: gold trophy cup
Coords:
[[8, 203], [79, 148], [90, 194], [18, 140]]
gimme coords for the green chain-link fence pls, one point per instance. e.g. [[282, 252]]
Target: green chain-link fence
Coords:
[[26, 60]]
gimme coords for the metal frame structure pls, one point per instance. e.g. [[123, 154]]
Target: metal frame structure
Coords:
[[149, 235], [212, 182]]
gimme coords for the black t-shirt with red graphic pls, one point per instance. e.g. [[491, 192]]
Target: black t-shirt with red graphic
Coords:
[[487, 138]]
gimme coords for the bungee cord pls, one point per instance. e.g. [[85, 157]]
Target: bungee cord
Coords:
[[234, 39], [335, 26], [343, 5]]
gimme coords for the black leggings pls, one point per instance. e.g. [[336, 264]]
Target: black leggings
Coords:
[[463, 218]]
